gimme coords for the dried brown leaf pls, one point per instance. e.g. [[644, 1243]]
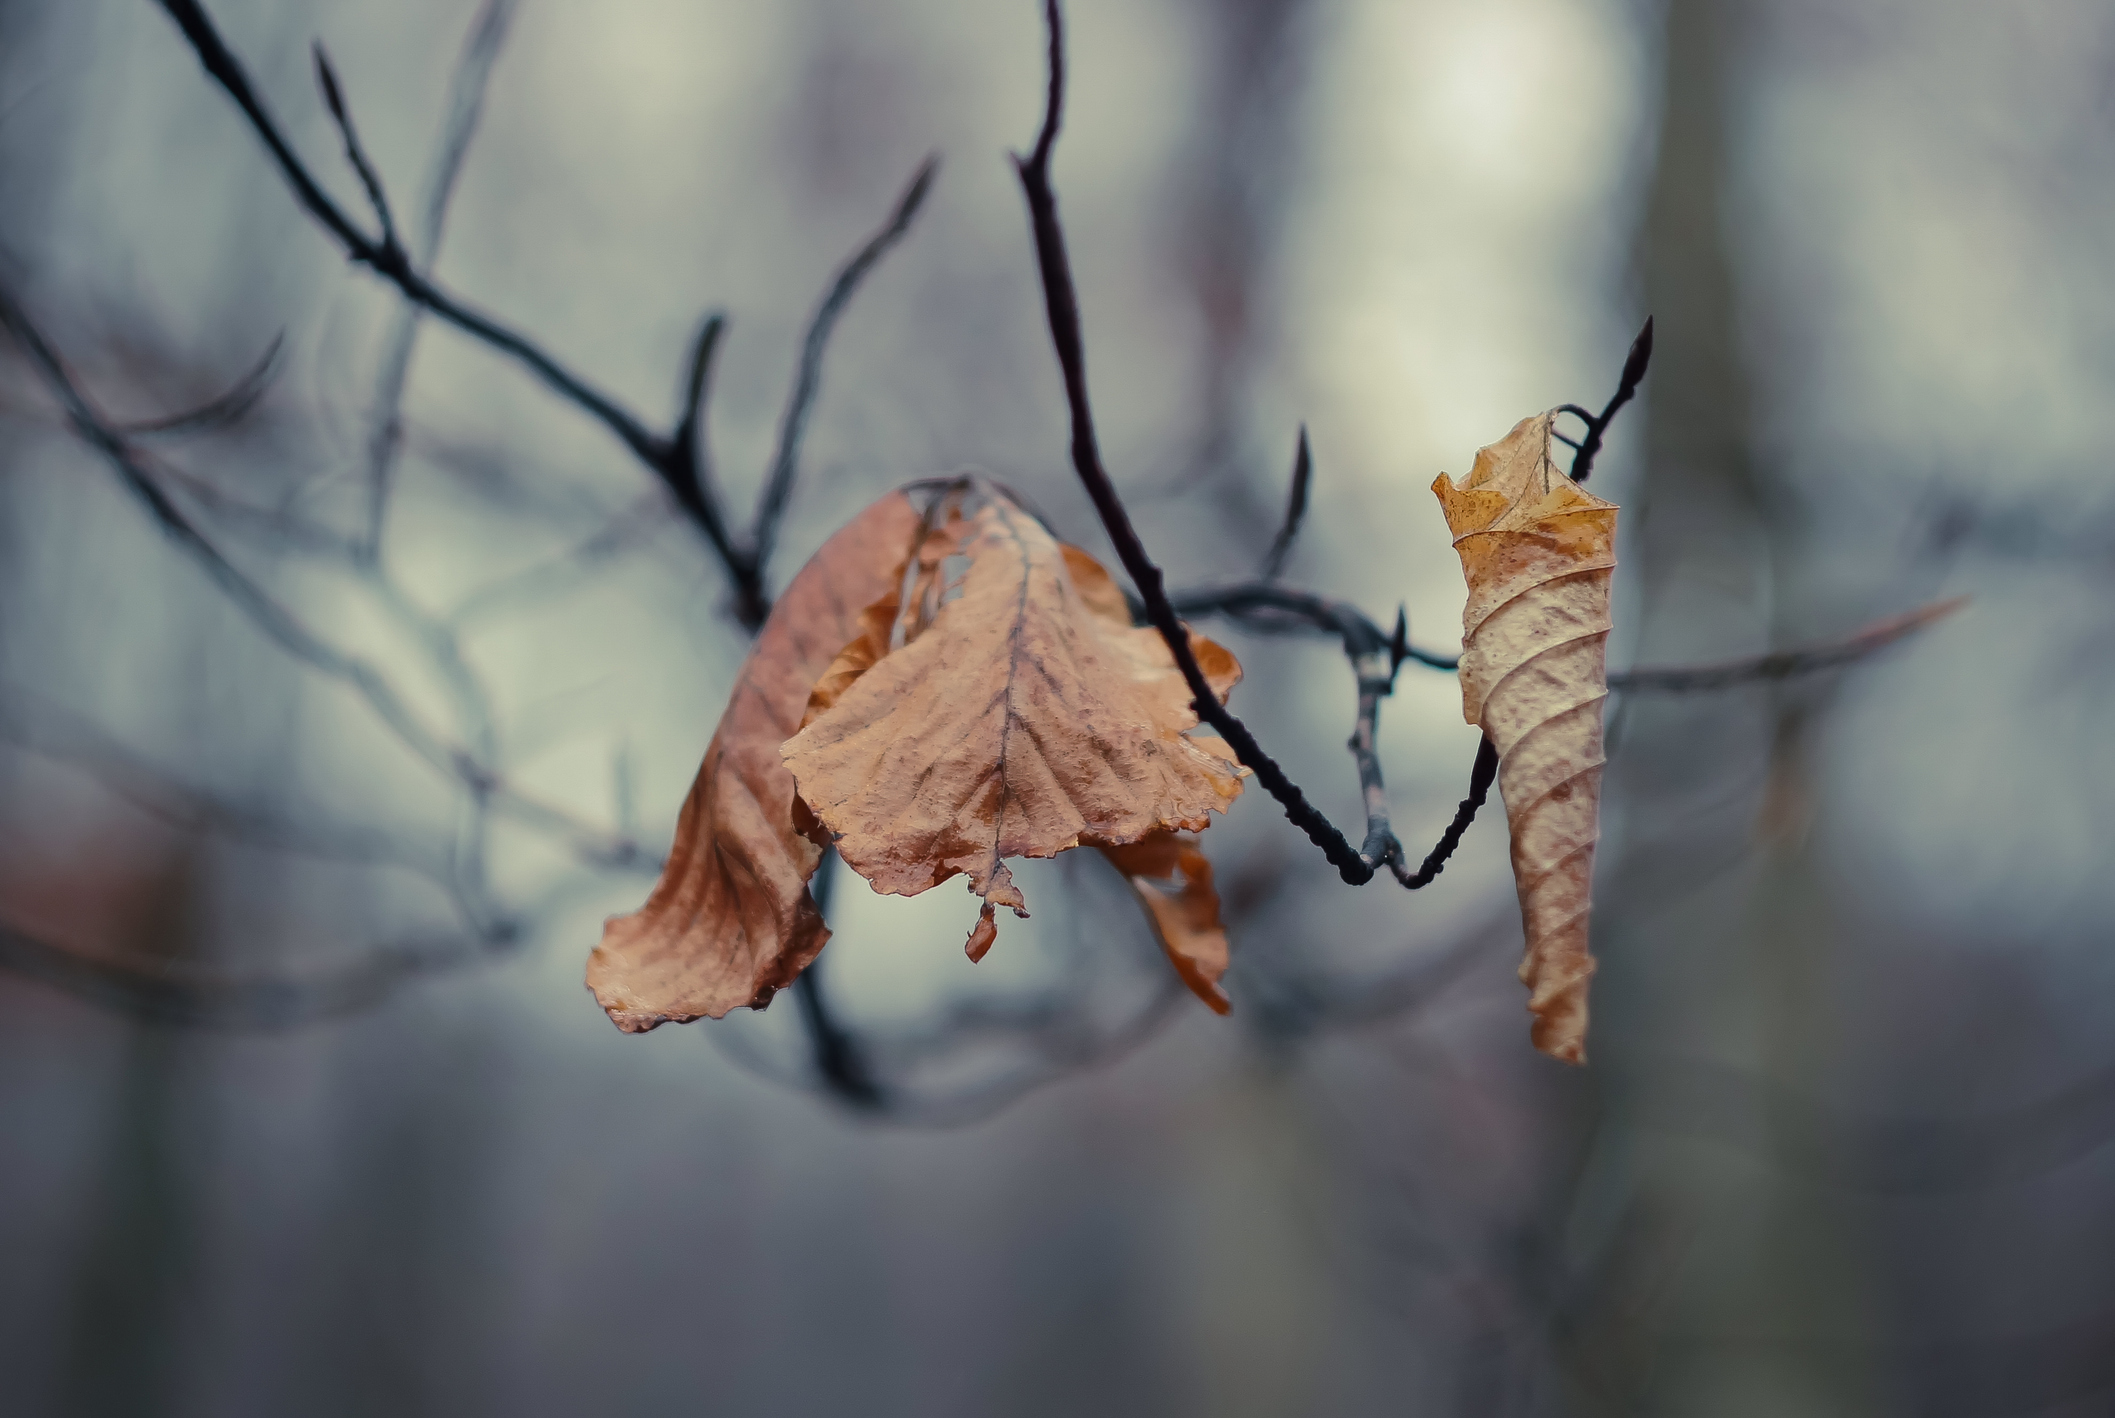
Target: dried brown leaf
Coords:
[[1538, 552], [1018, 714], [731, 921], [1173, 881]]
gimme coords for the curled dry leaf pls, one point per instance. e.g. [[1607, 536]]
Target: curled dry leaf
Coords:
[[731, 921], [1173, 881], [1011, 711], [1538, 552]]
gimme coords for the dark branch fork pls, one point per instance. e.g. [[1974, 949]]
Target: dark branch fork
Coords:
[[1634, 366], [1375, 659], [677, 458], [1062, 304], [1269, 606]]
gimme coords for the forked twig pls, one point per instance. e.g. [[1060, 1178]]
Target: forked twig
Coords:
[[466, 103], [671, 457], [1062, 304], [1634, 366], [219, 411]]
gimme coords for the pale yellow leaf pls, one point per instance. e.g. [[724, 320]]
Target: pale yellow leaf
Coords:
[[1538, 552]]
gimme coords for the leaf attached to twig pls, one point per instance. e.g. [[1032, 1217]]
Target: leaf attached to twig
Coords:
[[1012, 710], [1538, 552], [731, 921]]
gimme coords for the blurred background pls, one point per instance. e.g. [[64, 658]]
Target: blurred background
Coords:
[[326, 1124]]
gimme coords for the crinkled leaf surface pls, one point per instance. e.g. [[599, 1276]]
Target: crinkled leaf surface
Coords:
[[731, 921], [1538, 552], [1015, 713]]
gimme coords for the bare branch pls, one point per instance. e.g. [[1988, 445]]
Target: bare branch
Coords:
[[200, 997], [1783, 664], [1274, 608], [1062, 304], [839, 1060], [334, 100], [674, 460], [1634, 366], [778, 484], [466, 105], [1375, 658], [220, 411], [390, 261], [466, 100], [1482, 774], [690, 422], [38, 726], [1269, 608], [1295, 511], [288, 632]]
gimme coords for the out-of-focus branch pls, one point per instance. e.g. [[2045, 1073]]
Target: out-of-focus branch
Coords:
[[679, 460], [840, 1061], [1295, 511], [334, 100], [220, 411], [1783, 664], [466, 102], [169, 992], [38, 726], [807, 382], [631, 526], [672, 457], [275, 999]]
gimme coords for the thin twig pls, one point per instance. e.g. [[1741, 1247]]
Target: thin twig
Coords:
[[1295, 511], [691, 440], [391, 262], [1275, 608], [194, 996], [673, 459], [1634, 366], [334, 100], [1062, 304], [283, 628], [220, 411], [1375, 658], [778, 484], [1482, 773], [37, 725], [466, 101], [1783, 664]]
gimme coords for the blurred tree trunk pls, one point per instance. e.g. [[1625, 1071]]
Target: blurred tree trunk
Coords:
[[1725, 1286]]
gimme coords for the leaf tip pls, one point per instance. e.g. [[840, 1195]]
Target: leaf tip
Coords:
[[983, 933]]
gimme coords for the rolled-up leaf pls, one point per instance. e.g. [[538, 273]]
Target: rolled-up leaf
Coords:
[[1538, 552]]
